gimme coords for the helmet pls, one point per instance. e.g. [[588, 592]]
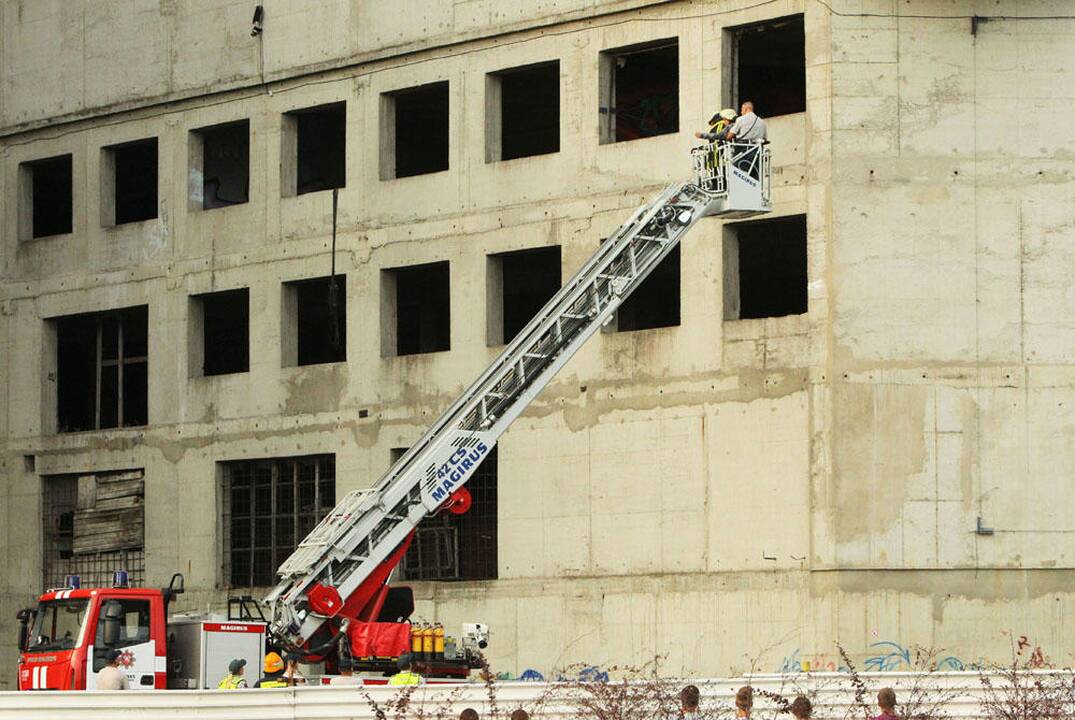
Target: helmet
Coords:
[[273, 663]]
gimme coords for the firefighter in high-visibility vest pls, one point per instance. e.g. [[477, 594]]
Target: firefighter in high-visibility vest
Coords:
[[234, 679], [405, 676], [274, 672]]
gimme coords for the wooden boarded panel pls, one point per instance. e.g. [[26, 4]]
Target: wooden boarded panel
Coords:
[[116, 521]]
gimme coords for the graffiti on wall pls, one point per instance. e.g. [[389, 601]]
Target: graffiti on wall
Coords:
[[883, 656]]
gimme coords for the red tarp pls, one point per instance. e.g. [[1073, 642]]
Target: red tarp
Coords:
[[379, 639]]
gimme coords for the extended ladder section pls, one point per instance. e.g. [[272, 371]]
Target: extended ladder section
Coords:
[[367, 526]]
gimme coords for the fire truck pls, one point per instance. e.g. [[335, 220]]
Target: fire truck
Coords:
[[333, 597]]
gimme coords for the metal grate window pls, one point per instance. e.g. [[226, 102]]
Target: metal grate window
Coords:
[[459, 547], [269, 507], [59, 506]]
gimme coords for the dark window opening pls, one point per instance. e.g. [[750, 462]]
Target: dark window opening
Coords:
[[655, 303], [225, 164], [458, 547], [320, 320], [770, 63], [270, 506], [102, 370], [420, 124], [640, 91], [94, 524], [529, 110], [225, 331], [422, 309], [523, 282], [765, 268], [321, 142], [50, 196], [136, 181]]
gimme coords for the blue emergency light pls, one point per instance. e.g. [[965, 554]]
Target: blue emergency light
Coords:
[[119, 579], [74, 582]]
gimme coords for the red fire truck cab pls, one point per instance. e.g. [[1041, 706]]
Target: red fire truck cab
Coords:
[[64, 640]]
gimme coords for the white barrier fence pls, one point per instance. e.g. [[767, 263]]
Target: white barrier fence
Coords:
[[832, 695]]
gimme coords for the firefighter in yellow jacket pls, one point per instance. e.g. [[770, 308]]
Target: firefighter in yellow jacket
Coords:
[[234, 680], [405, 676], [274, 672]]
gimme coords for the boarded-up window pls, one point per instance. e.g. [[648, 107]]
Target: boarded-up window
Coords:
[[94, 525]]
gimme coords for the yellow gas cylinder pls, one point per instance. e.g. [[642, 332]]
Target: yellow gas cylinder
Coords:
[[427, 642], [416, 640], [438, 641]]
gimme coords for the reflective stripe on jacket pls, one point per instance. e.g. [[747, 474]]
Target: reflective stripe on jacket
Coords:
[[232, 682], [405, 678]]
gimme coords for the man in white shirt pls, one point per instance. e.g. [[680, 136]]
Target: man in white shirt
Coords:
[[111, 677], [748, 126]]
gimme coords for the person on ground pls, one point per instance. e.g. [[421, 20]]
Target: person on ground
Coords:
[[719, 125], [689, 697], [111, 677], [469, 714], [406, 675], [744, 701], [234, 680], [802, 708], [748, 127], [886, 700], [274, 672]]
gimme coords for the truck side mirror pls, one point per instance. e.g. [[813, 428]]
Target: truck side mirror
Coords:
[[24, 616], [113, 614]]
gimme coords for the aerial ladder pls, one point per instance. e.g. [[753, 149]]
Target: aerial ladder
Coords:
[[338, 576]]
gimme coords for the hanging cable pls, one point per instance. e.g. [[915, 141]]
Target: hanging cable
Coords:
[[333, 291]]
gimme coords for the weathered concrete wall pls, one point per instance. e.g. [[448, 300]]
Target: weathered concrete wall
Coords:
[[81, 58], [711, 490]]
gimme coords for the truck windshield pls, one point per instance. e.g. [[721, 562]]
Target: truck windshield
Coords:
[[57, 625]]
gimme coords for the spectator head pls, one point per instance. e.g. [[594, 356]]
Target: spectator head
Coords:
[[237, 666], [801, 707], [886, 699], [746, 107], [112, 656], [404, 662], [689, 697], [469, 714], [744, 698], [520, 714]]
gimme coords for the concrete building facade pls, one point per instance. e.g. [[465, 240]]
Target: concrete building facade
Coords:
[[855, 425]]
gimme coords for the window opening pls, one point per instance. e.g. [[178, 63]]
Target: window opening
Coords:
[[225, 318], [135, 180], [102, 370], [49, 186], [770, 66], [415, 131], [523, 111], [225, 164], [640, 91], [520, 283], [655, 303], [320, 147], [765, 272], [416, 309], [320, 319], [270, 506]]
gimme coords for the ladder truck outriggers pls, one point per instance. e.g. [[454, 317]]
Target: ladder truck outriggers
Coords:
[[333, 591]]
